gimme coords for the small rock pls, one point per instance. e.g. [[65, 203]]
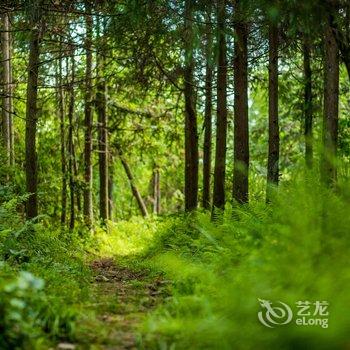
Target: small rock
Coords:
[[65, 346], [101, 278]]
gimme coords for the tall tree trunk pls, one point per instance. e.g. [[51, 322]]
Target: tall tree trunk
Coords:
[[61, 111], [331, 109], [102, 140], [308, 117], [241, 132], [7, 89], [31, 123], [207, 146], [191, 136], [141, 204], [88, 212], [221, 119], [274, 140], [71, 154]]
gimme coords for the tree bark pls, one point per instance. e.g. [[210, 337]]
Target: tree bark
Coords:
[[31, 124], [7, 133], [331, 108], [274, 140], [102, 140], [71, 153], [308, 115], [207, 145], [241, 131], [61, 112], [88, 211], [221, 119], [141, 204], [191, 136]]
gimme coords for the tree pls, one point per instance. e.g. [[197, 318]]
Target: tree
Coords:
[[102, 137], [71, 152], [331, 109], [274, 140], [308, 114], [191, 135], [221, 118], [7, 110], [88, 211], [207, 145], [156, 190], [61, 115], [32, 116], [241, 132]]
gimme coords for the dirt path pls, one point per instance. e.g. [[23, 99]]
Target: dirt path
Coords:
[[122, 299]]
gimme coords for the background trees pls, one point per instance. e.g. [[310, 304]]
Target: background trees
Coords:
[[144, 80]]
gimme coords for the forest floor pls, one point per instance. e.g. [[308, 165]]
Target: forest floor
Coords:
[[122, 297]]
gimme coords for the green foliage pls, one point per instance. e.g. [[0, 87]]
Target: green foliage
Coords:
[[286, 251], [37, 310]]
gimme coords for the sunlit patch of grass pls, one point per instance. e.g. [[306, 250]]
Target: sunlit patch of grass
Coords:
[[126, 238]]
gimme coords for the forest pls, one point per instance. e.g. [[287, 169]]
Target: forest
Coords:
[[175, 174]]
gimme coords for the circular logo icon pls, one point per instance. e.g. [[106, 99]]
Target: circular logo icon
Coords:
[[272, 316]]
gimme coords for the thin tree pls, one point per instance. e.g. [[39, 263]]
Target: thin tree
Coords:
[[331, 109], [7, 133], [102, 136], [221, 118], [61, 114], [88, 212], [31, 168], [191, 135], [207, 145], [71, 153], [308, 114], [156, 190], [136, 193], [274, 139], [241, 132]]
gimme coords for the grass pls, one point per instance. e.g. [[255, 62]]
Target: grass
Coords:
[[294, 249]]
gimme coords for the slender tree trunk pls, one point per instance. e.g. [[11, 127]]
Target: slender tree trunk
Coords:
[[156, 190], [88, 212], [102, 141], [241, 132], [207, 146], [76, 174], [308, 117], [61, 111], [331, 109], [110, 187], [31, 124], [141, 204], [221, 119], [7, 89], [191, 136], [274, 140], [71, 152]]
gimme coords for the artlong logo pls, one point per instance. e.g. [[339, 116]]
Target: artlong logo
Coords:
[[306, 315], [274, 315]]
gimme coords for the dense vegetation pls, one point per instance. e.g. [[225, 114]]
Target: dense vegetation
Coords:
[[173, 173]]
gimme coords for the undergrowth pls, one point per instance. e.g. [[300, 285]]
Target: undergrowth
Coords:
[[43, 280], [294, 249]]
